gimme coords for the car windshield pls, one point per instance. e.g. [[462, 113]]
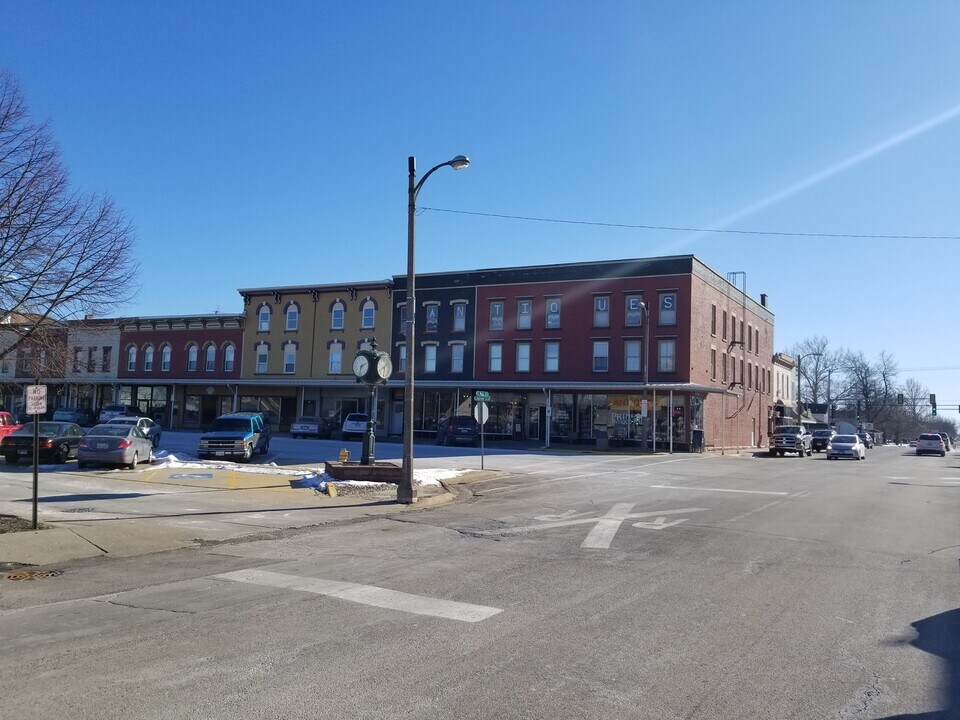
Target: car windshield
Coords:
[[787, 430], [843, 439], [354, 417], [823, 433], [109, 430], [229, 425], [123, 421]]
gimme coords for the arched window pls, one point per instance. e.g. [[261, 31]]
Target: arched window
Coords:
[[210, 362], [228, 352], [293, 317], [131, 359], [290, 358], [262, 351], [263, 318], [335, 366], [148, 358], [368, 311], [336, 316], [191, 358], [165, 358]]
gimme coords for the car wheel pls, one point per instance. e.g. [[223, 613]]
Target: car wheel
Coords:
[[809, 453], [265, 448], [247, 453], [135, 461], [943, 454], [81, 464], [918, 453], [62, 455], [156, 441], [12, 459]]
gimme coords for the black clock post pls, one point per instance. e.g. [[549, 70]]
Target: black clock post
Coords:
[[372, 368]]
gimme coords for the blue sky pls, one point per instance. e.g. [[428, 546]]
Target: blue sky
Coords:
[[258, 144]]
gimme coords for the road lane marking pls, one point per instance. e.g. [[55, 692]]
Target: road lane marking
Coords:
[[366, 595], [756, 510], [749, 492], [602, 533], [898, 478]]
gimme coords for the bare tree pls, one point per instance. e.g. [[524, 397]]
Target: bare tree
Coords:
[[64, 255], [818, 366], [872, 384]]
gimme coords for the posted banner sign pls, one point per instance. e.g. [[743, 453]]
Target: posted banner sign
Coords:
[[36, 399]]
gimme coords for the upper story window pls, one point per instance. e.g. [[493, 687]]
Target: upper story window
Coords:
[[666, 356], [336, 315], [601, 356], [723, 325], [131, 359], [524, 314], [91, 361], [713, 320], [76, 359], [368, 313], [668, 309], [551, 356], [106, 358], [165, 358], [429, 358], [263, 351], [631, 356], [634, 311], [553, 312], [433, 316], [496, 314], [495, 357], [456, 358], [290, 358], [148, 358], [228, 356], [401, 358], [263, 318], [293, 317], [191, 358], [749, 338], [523, 357], [756, 340], [459, 317], [210, 359], [601, 311], [335, 366]]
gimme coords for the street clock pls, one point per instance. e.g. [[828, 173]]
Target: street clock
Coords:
[[372, 367]]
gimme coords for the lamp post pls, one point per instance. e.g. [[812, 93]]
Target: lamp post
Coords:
[[406, 491], [646, 366]]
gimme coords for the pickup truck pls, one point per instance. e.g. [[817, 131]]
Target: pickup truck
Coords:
[[791, 438], [7, 424], [236, 435]]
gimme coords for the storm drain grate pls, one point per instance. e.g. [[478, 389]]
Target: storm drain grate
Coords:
[[78, 510], [32, 575]]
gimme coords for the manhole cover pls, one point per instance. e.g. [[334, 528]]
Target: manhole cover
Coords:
[[33, 575]]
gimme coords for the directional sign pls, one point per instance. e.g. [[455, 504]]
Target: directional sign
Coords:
[[481, 395], [36, 399]]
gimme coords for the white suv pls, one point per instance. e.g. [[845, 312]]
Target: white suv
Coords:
[[355, 424], [931, 443], [109, 412]]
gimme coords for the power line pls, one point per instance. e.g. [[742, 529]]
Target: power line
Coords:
[[670, 228]]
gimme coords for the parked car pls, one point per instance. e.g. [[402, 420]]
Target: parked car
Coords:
[[8, 423], [146, 425], [57, 442], [846, 446], [821, 439], [74, 415], [115, 443], [354, 424], [791, 438], [109, 412], [310, 426], [931, 443], [946, 441], [866, 438], [459, 429], [236, 435]]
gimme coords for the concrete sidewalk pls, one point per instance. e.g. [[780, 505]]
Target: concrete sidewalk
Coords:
[[233, 504]]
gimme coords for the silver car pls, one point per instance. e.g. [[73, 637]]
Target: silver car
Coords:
[[931, 443], [846, 446], [115, 444], [148, 426]]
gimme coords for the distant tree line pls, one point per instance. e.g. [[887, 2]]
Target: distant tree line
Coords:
[[848, 380]]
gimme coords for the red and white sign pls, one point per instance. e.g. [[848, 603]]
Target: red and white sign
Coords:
[[36, 399]]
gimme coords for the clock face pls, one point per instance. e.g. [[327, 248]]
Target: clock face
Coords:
[[384, 367], [360, 366]]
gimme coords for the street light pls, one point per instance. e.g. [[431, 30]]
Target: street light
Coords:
[[406, 490], [644, 308]]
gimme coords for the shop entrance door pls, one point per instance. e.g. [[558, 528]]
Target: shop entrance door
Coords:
[[533, 424], [396, 418], [208, 410]]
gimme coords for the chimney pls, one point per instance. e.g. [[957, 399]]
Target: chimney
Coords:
[[763, 299]]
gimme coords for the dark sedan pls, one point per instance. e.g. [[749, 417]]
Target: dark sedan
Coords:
[[821, 439], [58, 442], [460, 429]]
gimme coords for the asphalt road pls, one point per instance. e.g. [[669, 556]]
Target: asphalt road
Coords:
[[576, 586]]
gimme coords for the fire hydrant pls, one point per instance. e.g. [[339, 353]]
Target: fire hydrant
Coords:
[[344, 455]]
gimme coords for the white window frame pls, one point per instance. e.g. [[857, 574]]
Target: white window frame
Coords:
[[262, 352], [667, 362], [430, 358], [289, 359], [553, 305], [148, 358], [633, 310], [368, 315], [165, 353], [456, 357], [335, 362], [632, 356], [210, 358], [132, 359], [293, 313], [229, 357], [401, 357], [601, 314], [496, 314], [495, 357], [263, 318], [668, 316], [551, 356], [601, 356], [336, 315], [524, 319], [523, 357]]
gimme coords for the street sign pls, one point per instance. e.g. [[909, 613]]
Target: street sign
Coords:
[[481, 412], [643, 408], [481, 395], [36, 399]]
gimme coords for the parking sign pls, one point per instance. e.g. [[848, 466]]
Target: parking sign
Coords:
[[36, 399]]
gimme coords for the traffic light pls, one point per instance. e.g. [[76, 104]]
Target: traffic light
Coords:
[[858, 411], [933, 409], [933, 403], [899, 398]]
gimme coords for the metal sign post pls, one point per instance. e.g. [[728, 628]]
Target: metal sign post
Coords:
[[481, 413], [36, 405]]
